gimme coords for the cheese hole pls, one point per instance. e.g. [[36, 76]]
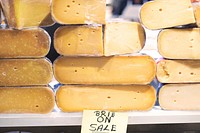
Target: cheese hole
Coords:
[[4, 73], [191, 40], [79, 34], [189, 6], [81, 40], [36, 36], [108, 97], [79, 4], [138, 92], [36, 106], [73, 1], [83, 68], [191, 73], [69, 44], [174, 101], [93, 31], [65, 10], [15, 68], [160, 9], [77, 13], [75, 71], [180, 73], [68, 6], [135, 98], [177, 90], [191, 46]]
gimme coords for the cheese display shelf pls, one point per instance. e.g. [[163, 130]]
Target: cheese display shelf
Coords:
[[155, 116]]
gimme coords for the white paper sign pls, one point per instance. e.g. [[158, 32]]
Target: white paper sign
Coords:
[[95, 121]]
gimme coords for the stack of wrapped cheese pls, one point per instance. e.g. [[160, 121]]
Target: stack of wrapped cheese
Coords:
[[93, 70], [24, 71], [181, 49]]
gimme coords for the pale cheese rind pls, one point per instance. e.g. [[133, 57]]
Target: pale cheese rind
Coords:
[[180, 97], [159, 14], [105, 70], [79, 40], [122, 37], [79, 11], [38, 100], [25, 72], [115, 98], [179, 43], [178, 71]]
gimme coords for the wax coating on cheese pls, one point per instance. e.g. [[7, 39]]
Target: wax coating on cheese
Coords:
[[159, 14], [79, 40], [38, 100], [105, 70], [115, 98]]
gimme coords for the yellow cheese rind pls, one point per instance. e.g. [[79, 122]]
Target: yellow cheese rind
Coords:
[[179, 43], [159, 14], [114, 98], [27, 13], [180, 97], [27, 43], [25, 72], [105, 70], [79, 40], [123, 38], [38, 100], [178, 71], [79, 11]]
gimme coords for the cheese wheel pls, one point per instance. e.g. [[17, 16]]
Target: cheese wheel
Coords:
[[179, 43], [178, 71], [26, 100], [121, 37], [27, 13], [105, 70], [27, 43], [159, 14], [79, 11], [79, 40], [25, 72], [115, 98], [180, 97]]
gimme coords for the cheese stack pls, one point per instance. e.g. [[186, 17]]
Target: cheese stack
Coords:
[[180, 48], [93, 70], [24, 71]]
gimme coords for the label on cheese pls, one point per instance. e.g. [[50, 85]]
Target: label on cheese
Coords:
[[79, 11], [180, 97], [76, 98], [27, 13], [178, 71], [25, 72], [105, 70], [179, 43], [79, 40], [121, 37], [27, 43], [159, 14], [26, 100], [99, 121]]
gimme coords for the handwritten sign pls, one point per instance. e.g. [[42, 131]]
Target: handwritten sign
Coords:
[[95, 121]]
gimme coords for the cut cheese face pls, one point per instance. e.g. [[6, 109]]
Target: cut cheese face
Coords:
[[196, 7], [28, 43], [79, 11], [179, 43], [105, 70], [79, 40], [38, 100], [178, 71], [180, 97], [27, 13], [114, 98], [123, 38], [159, 14], [23, 72]]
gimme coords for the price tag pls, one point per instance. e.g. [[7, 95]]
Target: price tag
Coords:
[[95, 121]]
